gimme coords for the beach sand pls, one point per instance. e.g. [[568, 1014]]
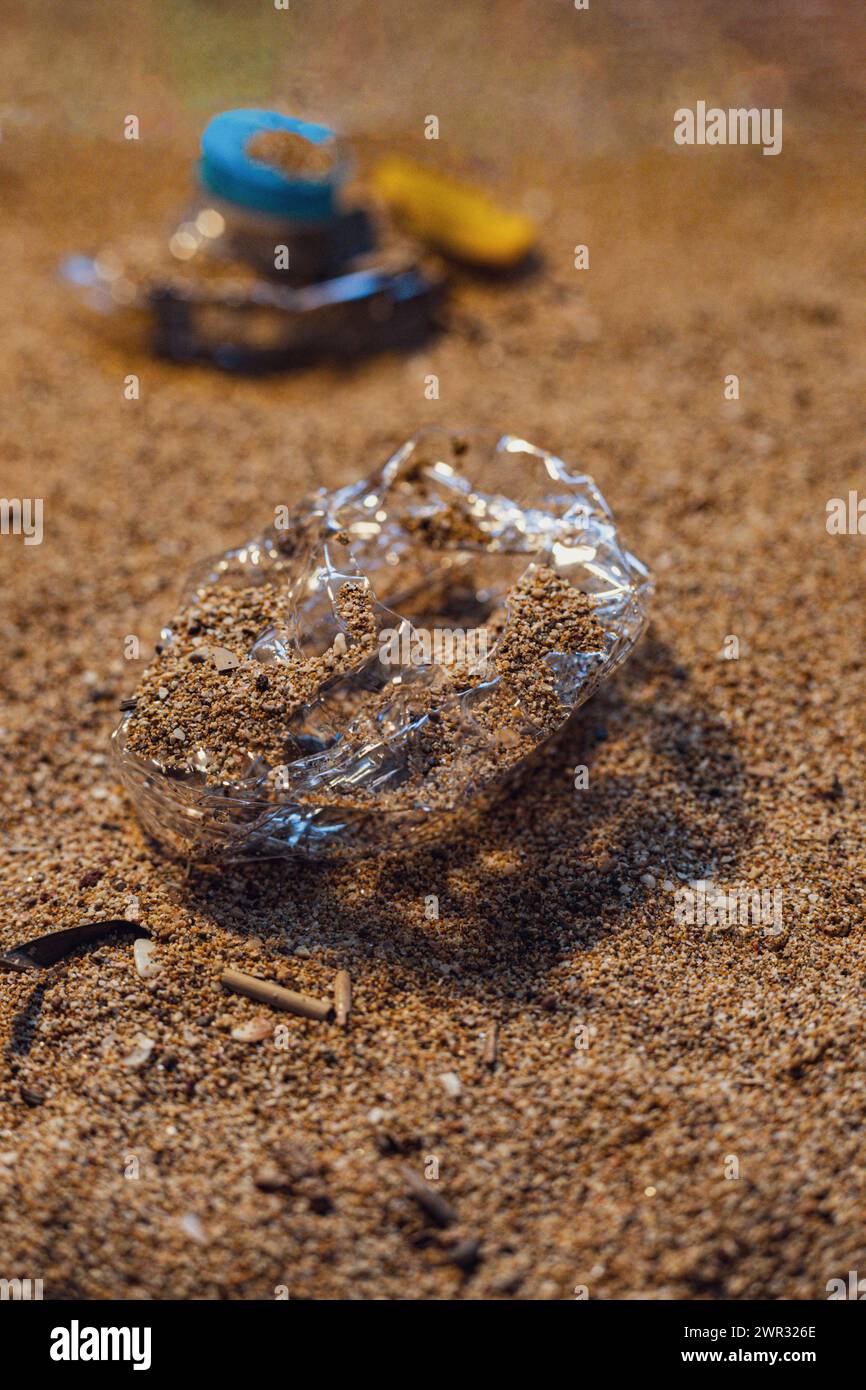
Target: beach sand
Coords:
[[676, 1110]]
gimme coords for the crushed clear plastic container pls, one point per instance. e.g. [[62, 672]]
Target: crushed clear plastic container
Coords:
[[358, 777]]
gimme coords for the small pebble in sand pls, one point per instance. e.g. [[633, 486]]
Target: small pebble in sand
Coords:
[[452, 1084], [223, 659], [141, 1052], [192, 1227], [147, 961]]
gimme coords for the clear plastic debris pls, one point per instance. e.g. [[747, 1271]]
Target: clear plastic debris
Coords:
[[430, 624]]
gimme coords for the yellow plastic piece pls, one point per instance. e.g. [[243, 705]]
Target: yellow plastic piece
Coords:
[[456, 218]]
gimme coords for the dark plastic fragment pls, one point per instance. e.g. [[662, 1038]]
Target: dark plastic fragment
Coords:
[[46, 950]]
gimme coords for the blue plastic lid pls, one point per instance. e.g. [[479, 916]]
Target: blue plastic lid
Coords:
[[227, 171]]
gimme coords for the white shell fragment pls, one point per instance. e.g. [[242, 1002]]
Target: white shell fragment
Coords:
[[140, 1054], [191, 1225], [254, 1030], [147, 961], [222, 658]]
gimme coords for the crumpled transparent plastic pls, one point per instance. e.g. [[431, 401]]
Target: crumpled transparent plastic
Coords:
[[342, 796]]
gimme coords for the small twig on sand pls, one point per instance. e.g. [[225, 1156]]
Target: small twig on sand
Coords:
[[428, 1198], [343, 997], [491, 1044], [264, 992]]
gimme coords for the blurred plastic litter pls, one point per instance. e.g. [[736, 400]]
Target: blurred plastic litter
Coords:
[[459, 220], [267, 268]]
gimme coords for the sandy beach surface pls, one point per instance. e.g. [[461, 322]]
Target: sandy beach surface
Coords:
[[676, 1110]]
